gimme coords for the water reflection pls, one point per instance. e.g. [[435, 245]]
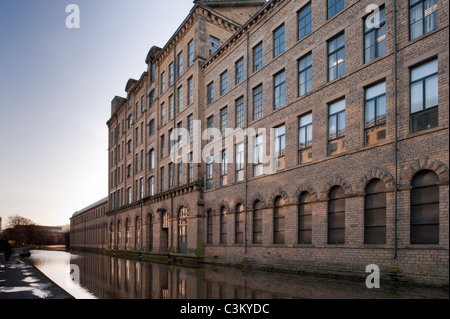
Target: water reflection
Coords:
[[108, 277]]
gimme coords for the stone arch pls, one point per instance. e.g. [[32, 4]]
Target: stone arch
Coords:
[[410, 170], [225, 204], [182, 203], [258, 197], [278, 192], [336, 180], [238, 201], [305, 187], [379, 173]]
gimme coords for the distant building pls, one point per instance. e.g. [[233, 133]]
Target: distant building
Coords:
[[359, 169], [1, 224]]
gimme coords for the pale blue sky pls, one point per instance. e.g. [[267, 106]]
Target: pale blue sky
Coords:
[[56, 87]]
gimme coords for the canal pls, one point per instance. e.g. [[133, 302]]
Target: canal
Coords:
[[108, 277]]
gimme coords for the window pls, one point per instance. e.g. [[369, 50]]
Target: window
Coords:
[[223, 120], [210, 93], [209, 226], [142, 105], [223, 225], [214, 44], [163, 114], [336, 216], [425, 208], [141, 187], [424, 96], [305, 219], [305, 74], [279, 90], [304, 21], [180, 64], [239, 224], [163, 147], [258, 155], [171, 175], [240, 112], [136, 163], [305, 138], [142, 160], [190, 91], [180, 99], [224, 168], [257, 222], [258, 57], [191, 168], [375, 113], [151, 127], [278, 41], [152, 72], [279, 214], [129, 197], [129, 171], [129, 146], [239, 67], [179, 134], [422, 17], [209, 127], [191, 127], [171, 140], [151, 186], [137, 110], [375, 213], [336, 128], [239, 162], [190, 53], [163, 82], [180, 172], [152, 159], [152, 97], [142, 132], [171, 74], [130, 121], [171, 107], [280, 143], [333, 7], [209, 171], [374, 37], [336, 57], [161, 175], [223, 83], [257, 102]]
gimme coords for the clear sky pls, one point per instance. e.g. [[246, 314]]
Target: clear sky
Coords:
[[56, 87]]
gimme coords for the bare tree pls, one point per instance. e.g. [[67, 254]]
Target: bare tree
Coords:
[[17, 220]]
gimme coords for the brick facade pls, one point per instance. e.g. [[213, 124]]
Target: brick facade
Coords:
[[355, 165]]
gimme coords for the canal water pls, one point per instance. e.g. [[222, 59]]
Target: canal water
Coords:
[[95, 276]]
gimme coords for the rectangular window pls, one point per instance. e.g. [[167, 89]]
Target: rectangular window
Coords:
[[191, 127], [240, 112], [152, 159], [171, 73], [180, 134], [214, 44], [162, 179], [333, 7], [280, 147], [305, 138], [336, 128], [258, 57], [278, 41], [239, 162], [279, 90], [136, 163], [424, 96], [223, 120], [163, 82], [151, 127], [163, 147], [209, 126], [190, 91], [210, 93], [305, 74], [142, 160], [191, 168], [152, 72], [142, 132], [239, 67], [129, 197], [224, 168], [336, 57], [141, 188], [129, 171], [163, 114], [257, 102], [152, 97], [151, 186], [171, 107], [180, 99], [304, 21], [375, 113], [137, 110], [171, 177], [180, 172], [171, 140], [258, 155], [422, 17], [142, 104], [190, 53], [223, 83], [374, 37], [209, 171], [180, 64]]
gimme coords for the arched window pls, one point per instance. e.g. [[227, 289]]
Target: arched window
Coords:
[[279, 214], [257, 222], [127, 234], [182, 229], [305, 219], [239, 224], [209, 227], [149, 232], [425, 208], [223, 225], [336, 216], [375, 213], [119, 235], [137, 234]]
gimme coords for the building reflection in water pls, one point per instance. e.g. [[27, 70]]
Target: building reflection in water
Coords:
[[110, 277]]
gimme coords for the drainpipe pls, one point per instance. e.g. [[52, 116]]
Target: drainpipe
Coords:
[[396, 132], [246, 146]]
